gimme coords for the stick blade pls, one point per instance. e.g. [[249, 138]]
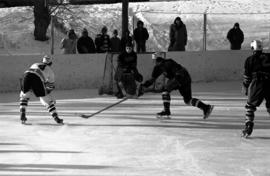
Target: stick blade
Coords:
[[84, 116]]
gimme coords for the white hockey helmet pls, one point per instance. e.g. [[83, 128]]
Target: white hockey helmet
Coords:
[[256, 45], [157, 55], [47, 60]]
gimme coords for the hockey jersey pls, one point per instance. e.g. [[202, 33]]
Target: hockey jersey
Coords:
[[44, 72], [170, 69], [257, 65], [127, 60]]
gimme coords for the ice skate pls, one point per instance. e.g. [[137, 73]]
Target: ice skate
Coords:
[[248, 129], [164, 115], [140, 90], [23, 118], [58, 120], [208, 111]]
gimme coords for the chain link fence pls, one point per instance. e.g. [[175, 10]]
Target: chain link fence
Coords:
[[205, 31]]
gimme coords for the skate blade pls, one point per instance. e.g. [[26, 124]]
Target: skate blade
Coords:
[[84, 116], [26, 123], [163, 117], [245, 135]]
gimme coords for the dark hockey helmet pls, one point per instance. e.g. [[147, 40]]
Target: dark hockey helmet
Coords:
[[256, 45]]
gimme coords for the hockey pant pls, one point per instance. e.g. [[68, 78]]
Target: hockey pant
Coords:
[[185, 90], [258, 91], [32, 84]]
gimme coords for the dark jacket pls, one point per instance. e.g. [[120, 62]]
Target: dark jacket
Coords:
[[85, 44], [141, 35], [171, 70], [115, 44], [127, 60], [127, 63], [257, 65], [103, 43], [236, 38], [178, 37]]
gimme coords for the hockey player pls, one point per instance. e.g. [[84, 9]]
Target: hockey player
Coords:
[[127, 73], [178, 78], [39, 79], [256, 83]]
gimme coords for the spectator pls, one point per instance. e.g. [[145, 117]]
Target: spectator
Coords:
[[115, 42], [68, 45], [236, 37], [140, 36], [126, 39], [85, 43], [102, 41], [178, 35]]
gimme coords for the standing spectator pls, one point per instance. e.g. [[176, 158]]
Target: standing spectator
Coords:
[[236, 37], [126, 39], [68, 45], [85, 43], [115, 42], [102, 41], [140, 36], [178, 35]]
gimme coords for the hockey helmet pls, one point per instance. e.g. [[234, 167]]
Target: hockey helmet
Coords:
[[47, 60], [256, 45], [157, 55]]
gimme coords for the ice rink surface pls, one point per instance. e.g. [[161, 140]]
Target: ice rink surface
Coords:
[[128, 139]]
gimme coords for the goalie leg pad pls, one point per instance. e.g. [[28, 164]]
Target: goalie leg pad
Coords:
[[129, 83]]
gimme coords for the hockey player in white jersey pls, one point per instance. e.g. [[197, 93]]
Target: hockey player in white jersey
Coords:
[[39, 80]]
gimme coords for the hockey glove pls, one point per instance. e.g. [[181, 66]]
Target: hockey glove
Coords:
[[140, 90], [148, 83], [49, 87]]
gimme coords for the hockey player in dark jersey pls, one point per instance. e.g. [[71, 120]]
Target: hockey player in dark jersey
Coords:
[[127, 73], [179, 79], [256, 84], [39, 79]]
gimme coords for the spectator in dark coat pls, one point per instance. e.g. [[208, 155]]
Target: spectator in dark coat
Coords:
[[85, 44], [115, 42], [125, 40], [236, 37], [102, 41], [140, 36], [178, 35]]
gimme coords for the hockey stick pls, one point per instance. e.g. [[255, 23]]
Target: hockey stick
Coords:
[[108, 107]]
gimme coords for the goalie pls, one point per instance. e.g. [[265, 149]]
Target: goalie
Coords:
[[127, 73], [39, 79]]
